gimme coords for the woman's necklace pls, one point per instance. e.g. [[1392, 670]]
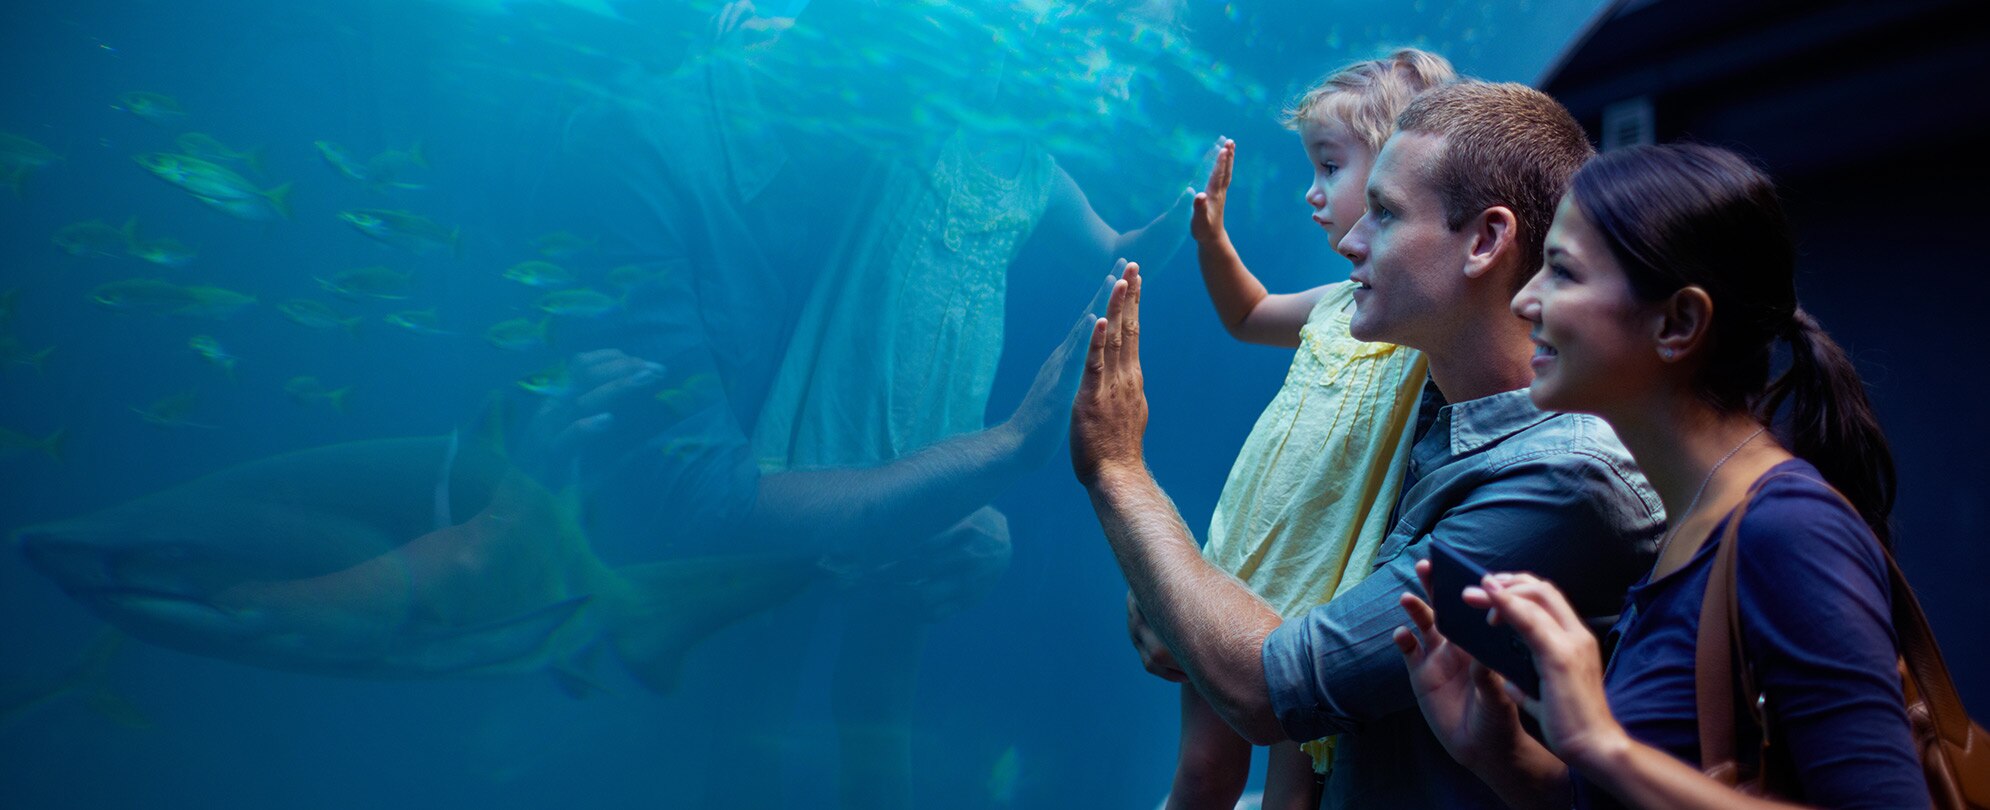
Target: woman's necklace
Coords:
[[1673, 530]]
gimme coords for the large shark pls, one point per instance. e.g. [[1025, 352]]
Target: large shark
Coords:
[[355, 559]]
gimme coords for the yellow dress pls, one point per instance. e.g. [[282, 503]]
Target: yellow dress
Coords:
[[1308, 500]]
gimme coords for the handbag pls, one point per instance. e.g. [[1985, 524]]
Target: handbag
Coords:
[[1955, 751]]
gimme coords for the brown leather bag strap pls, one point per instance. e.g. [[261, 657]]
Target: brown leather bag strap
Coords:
[[1917, 642], [1924, 660], [1719, 644], [1714, 654]]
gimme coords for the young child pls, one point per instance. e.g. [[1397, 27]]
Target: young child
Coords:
[[1309, 498]]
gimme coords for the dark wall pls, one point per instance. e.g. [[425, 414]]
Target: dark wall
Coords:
[[1872, 118]]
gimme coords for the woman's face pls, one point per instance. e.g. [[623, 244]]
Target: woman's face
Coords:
[[1595, 342]]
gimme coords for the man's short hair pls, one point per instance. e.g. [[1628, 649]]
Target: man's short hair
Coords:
[[1504, 144]]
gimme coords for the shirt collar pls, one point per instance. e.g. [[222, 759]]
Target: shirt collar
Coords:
[[1479, 422]]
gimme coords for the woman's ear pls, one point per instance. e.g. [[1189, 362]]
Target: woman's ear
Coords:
[[1685, 323]]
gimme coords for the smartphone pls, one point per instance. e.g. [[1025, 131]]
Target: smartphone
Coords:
[[1496, 646]]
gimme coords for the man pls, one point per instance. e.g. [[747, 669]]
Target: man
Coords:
[[1459, 201]]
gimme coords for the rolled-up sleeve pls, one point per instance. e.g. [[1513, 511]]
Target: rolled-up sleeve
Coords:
[[1571, 517]]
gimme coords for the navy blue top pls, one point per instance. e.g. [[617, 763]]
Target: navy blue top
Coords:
[[1816, 622]]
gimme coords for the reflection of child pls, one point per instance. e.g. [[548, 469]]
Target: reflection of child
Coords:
[[1309, 498]]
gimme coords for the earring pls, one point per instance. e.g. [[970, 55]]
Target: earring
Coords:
[[1665, 353]]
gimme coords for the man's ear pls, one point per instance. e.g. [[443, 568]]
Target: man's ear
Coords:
[[1495, 235], [1684, 323]]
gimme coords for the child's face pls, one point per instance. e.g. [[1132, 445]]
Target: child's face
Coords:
[[1340, 171]]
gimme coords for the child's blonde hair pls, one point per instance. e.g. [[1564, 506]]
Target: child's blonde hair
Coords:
[[1366, 96]]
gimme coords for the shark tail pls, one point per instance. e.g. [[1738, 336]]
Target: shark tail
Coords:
[[92, 674], [90, 677], [279, 198], [38, 359], [53, 444], [674, 605]]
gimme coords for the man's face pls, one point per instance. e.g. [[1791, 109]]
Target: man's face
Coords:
[[1409, 265]]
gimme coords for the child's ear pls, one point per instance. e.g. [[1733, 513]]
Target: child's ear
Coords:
[[1494, 232]]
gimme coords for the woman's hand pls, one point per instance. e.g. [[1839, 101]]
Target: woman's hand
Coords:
[[1572, 711], [1461, 699], [608, 403], [1041, 419]]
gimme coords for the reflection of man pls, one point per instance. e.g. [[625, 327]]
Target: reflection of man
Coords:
[[1458, 203], [727, 223]]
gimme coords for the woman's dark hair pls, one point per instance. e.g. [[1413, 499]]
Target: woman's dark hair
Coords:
[[1688, 215]]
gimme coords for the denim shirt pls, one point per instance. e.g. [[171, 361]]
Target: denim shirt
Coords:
[[1516, 489]]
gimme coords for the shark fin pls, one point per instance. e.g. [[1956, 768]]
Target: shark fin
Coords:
[[677, 604], [443, 518], [119, 709], [576, 683]]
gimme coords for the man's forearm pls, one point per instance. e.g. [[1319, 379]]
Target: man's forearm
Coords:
[[1214, 625]]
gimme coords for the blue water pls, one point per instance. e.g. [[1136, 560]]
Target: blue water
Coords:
[[1039, 667]]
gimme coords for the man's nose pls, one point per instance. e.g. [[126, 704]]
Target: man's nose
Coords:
[[1355, 244]]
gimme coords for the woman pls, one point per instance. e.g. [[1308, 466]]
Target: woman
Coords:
[[1669, 281]]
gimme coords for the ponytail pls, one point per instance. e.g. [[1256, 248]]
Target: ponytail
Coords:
[[1831, 423]]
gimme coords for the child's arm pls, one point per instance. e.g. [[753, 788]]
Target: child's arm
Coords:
[[1249, 313]]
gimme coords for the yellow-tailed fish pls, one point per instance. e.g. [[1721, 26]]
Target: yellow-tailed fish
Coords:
[[394, 170], [218, 186], [165, 252], [171, 412], [306, 390], [213, 303], [518, 334], [580, 303], [210, 349], [13, 442], [13, 353], [408, 231], [142, 295], [418, 321], [549, 382], [157, 108], [94, 239], [20, 157], [316, 315], [206, 147], [538, 273], [341, 161], [369, 282]]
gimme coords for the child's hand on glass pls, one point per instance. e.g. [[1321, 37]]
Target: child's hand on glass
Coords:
[[1207, 224]]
